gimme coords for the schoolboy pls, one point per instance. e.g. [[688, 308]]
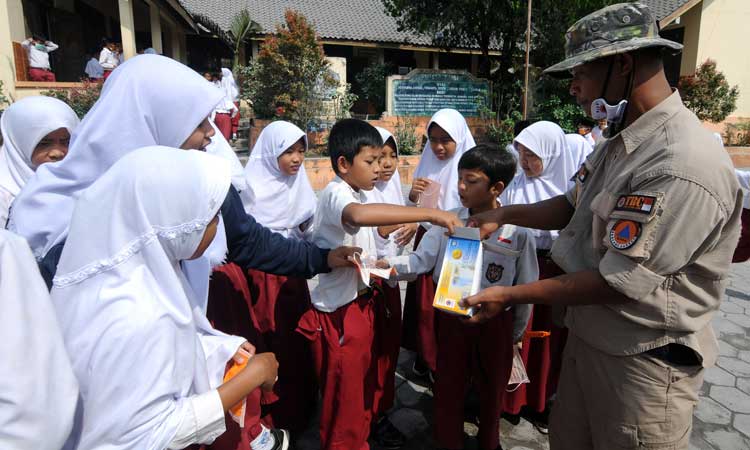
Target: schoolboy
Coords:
[[483, 353], [341, 324]]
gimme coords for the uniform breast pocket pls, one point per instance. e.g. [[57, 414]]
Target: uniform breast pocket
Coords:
[[499, 265], [601, 207], [632, 224]]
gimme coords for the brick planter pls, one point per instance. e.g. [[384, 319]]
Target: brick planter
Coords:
[[740, 156], [320, 172]]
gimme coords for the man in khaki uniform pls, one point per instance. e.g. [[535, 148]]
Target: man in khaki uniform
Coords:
[[646, 242]]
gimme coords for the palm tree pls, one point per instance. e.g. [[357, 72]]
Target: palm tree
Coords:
[[239, 31]]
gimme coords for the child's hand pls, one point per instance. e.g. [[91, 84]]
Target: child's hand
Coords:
[[263, 368], [417, 188], [405, 234], [342, 256], [249, 351], [382, 264], [488, 222], [447, 220]]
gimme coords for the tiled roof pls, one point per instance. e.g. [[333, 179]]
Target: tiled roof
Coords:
[[348, 20], [664, 8]]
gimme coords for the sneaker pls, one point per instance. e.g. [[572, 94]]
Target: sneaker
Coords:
[[387, 436], [540, 420], [283, 441], [513, 419]]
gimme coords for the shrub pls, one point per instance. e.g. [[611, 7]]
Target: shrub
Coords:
[[371, 82], [4, 100], [290, 78], [738, 134], [80, 99], [708, 94], [406, 137]]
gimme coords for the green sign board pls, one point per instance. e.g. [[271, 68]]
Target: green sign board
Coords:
[[423, 92]]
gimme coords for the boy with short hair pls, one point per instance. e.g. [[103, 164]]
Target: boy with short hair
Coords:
[[341, 324], [485, 352]]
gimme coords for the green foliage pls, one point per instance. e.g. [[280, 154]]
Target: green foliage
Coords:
[[738, 134], [240, 29], [371, 82], [502, 25], [342, 102], [500, 131], [708, 94], [553, 109], [406, 137], [4, 100], [290, 79], [80, 99]]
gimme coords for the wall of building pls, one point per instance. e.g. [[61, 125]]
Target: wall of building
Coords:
[[723, 38]]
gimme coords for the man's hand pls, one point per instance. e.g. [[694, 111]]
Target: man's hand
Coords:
[[488, 222], [447, 220], [489, 302], [342, 256]]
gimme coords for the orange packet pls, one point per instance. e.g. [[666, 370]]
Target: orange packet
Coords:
[[238, 411]]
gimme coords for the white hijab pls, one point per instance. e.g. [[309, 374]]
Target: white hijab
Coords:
[[23, 125], [547, 141], [149, 100], [386, 192], [38, 391], [220, 147], [446, 172], [229, 85], [579, 147], [139, 344], [278, 201]]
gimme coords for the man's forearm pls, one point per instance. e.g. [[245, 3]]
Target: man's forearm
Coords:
[[579, 288], [551, 214]]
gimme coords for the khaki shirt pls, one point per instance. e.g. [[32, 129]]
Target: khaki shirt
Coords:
[[657, 213]]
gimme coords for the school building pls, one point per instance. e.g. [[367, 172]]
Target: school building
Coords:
[[710, 29], [78, 27]]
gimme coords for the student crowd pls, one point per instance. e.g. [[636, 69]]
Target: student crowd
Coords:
[[178, 311]]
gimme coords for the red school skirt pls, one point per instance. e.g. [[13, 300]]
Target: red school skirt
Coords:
[[228, 299], [541, 356], [418, 330], [223, 122], [278, 303]]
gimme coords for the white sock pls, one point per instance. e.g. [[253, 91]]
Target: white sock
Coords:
[[264, 441]]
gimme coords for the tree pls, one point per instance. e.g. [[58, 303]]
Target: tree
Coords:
[[290, 78], [708, 94], [241, 28], [496, 23]]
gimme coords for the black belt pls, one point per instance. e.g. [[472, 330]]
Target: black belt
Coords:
[[680, 355]]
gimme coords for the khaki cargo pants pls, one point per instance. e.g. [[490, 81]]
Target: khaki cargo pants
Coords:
[[608, 402]]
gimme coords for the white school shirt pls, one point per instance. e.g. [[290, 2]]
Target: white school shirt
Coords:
[[39, 58], [108, 59], [509, 259], [340, 286], [94, 69]]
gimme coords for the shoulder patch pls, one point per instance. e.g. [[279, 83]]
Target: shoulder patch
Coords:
[[494, 272], [643, 204], [624, 234]]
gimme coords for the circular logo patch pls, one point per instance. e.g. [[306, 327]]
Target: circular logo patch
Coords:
[[457, 254], [624, 234]]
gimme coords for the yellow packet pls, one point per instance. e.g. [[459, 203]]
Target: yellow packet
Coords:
[[460, 275]]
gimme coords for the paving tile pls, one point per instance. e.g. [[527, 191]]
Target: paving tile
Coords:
[[744, 355], [735, 366], [743, 384], [717, 375], [729, 307], [709, 411], [726, 349], [742, 423], [409, 421], [740, 319], [732, 398], [737, 341], [726, 440], [698, 443], [724, 327]]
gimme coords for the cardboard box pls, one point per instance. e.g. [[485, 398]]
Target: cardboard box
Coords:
[[461, 272]]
